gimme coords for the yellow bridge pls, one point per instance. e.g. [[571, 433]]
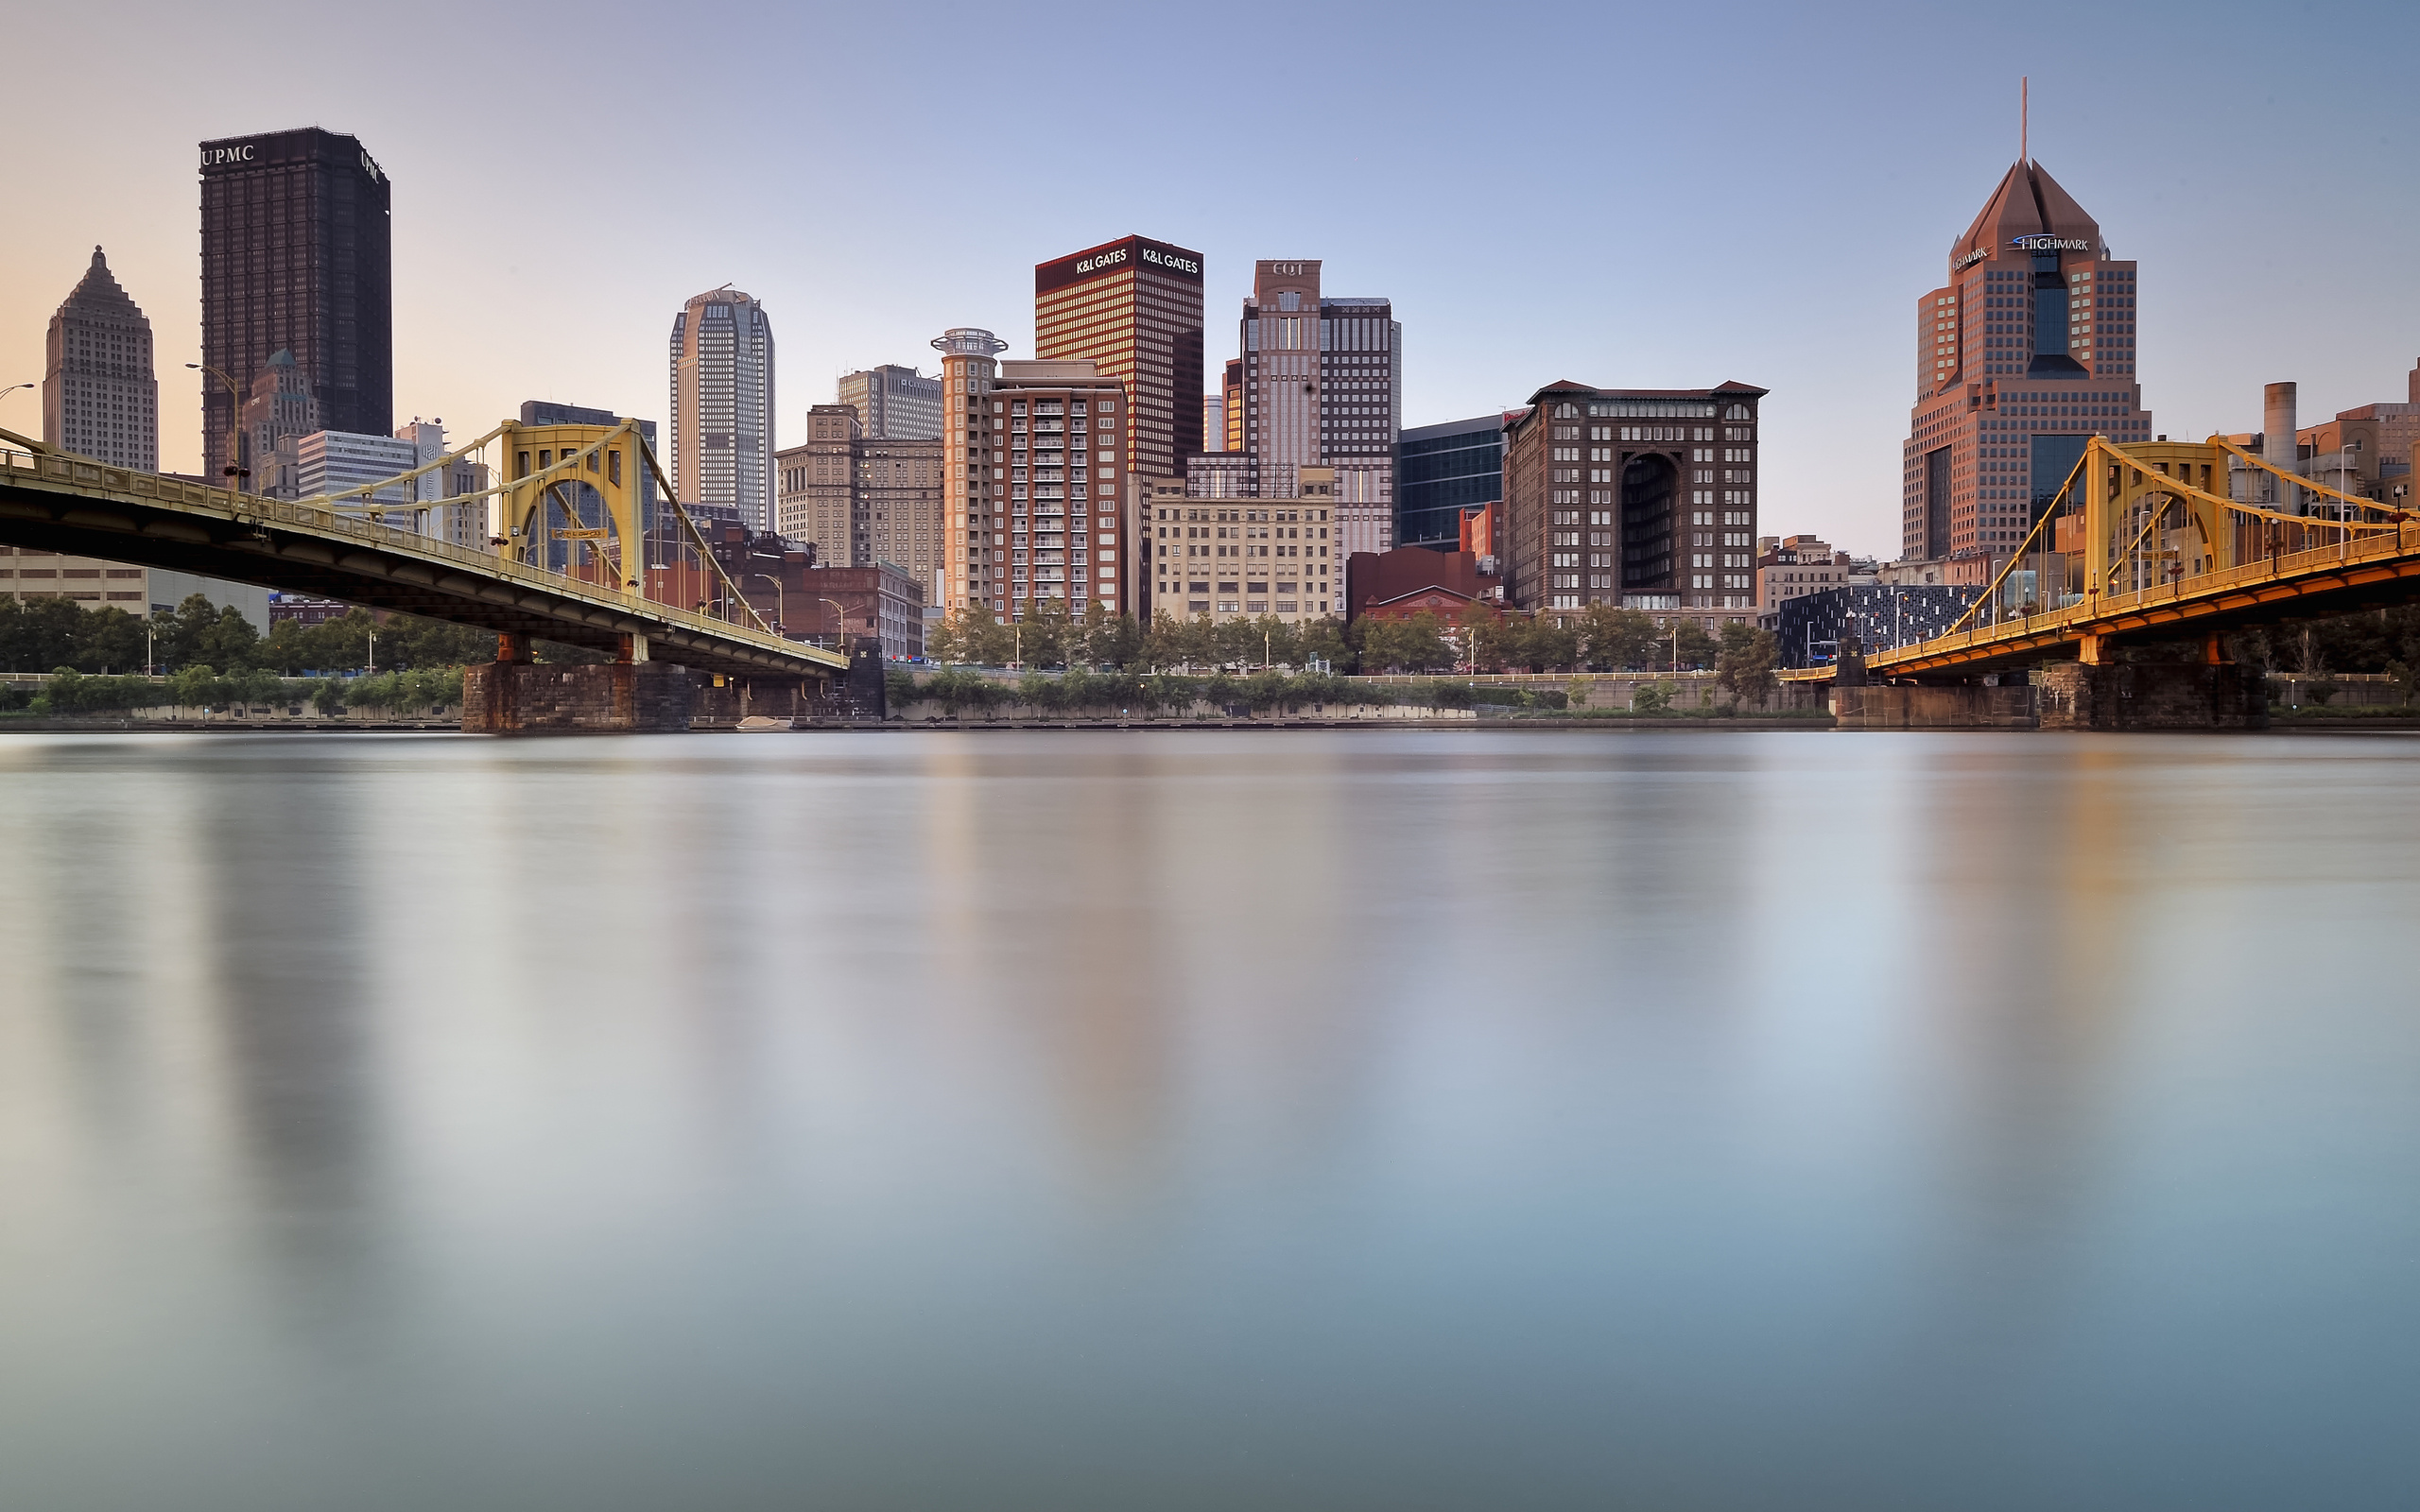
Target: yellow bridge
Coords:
[[338, 546], [2158, 553]]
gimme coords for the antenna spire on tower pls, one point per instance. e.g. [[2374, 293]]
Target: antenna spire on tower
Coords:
[[2024, 110]]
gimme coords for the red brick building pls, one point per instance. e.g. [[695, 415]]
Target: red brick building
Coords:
[[1413, 579]]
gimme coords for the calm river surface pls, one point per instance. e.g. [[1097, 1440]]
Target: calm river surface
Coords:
[[1191, 1121]]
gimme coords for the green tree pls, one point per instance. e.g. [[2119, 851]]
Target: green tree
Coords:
[[285, 647], [1043, 640], [1322, 641], [1553, 642], [1744, 665], [1482, 627], [327, 695], [230, 640], [1615, 638], [1118, 641], [253, 687], [426, 642], [1414, 644], [340, 644], [110, 640], [193, 687], [1696, 648], [182, 633], [1235, 643]]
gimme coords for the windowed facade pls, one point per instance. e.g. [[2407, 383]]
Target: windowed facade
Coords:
[[1315, 385], [1645, 498], [1037, 491], [99, 395], [296, 255], [723, 407], [863, 500], [1442, 470], [1221, 558], [1133, 308], [2027, 351]]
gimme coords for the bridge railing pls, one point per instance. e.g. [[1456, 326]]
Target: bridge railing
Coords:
[[2404, 542], [246, 507]]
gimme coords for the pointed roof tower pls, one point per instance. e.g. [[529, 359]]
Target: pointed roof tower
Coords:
[[2028, 203], [98, 292]]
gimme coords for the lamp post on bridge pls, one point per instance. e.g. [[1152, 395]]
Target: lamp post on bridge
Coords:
[[781, 617], [842, 633], [235, 467]]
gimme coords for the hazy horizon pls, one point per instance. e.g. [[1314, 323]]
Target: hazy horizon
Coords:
[[1761, 195]]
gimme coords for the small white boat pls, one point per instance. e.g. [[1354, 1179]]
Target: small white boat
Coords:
[[759, 724]]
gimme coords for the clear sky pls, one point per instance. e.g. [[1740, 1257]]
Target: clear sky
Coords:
[[1656, 196]]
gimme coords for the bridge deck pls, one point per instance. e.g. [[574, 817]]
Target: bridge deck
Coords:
[[55, 502], [2365, 573]]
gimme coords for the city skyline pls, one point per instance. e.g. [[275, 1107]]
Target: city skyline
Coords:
[[1739, 284]]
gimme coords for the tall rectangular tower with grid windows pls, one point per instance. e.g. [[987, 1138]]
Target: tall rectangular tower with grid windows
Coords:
[[1133, 308], [295, 256]]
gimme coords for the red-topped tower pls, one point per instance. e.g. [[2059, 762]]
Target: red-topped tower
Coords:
[[2024, 354]]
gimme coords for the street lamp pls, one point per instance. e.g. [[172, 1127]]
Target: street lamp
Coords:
[[781, 619], [843, 632], [235, 467]]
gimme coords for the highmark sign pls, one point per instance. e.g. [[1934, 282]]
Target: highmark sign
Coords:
[[2048, 244]]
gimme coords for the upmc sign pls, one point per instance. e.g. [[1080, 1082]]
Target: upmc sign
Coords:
[[309, 145], [1133, 254]]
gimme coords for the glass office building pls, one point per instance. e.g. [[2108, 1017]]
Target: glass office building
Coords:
[[1441, 471]]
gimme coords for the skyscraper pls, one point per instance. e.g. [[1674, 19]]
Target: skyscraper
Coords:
[[279, 414], [864, 501], [893, 403], [1134, 309], [100, 398], [1319, 383], [2021, 357], [295, 255], [722, 405], [975, 471]]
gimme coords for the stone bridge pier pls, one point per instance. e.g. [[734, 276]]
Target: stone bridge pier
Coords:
[[514, 695]]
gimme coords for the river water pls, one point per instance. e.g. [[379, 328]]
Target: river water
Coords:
[[1209, 1120]]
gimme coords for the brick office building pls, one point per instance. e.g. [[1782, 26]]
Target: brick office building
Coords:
[[1640, 497], [1410, 581], [2024, 355], [863, 499], [1133, 308]]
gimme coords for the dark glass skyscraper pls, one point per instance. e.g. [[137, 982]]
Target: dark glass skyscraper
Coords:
[[295, 256]]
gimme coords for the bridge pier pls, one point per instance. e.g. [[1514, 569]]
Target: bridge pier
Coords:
[[510, 697], [2152, 695]]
